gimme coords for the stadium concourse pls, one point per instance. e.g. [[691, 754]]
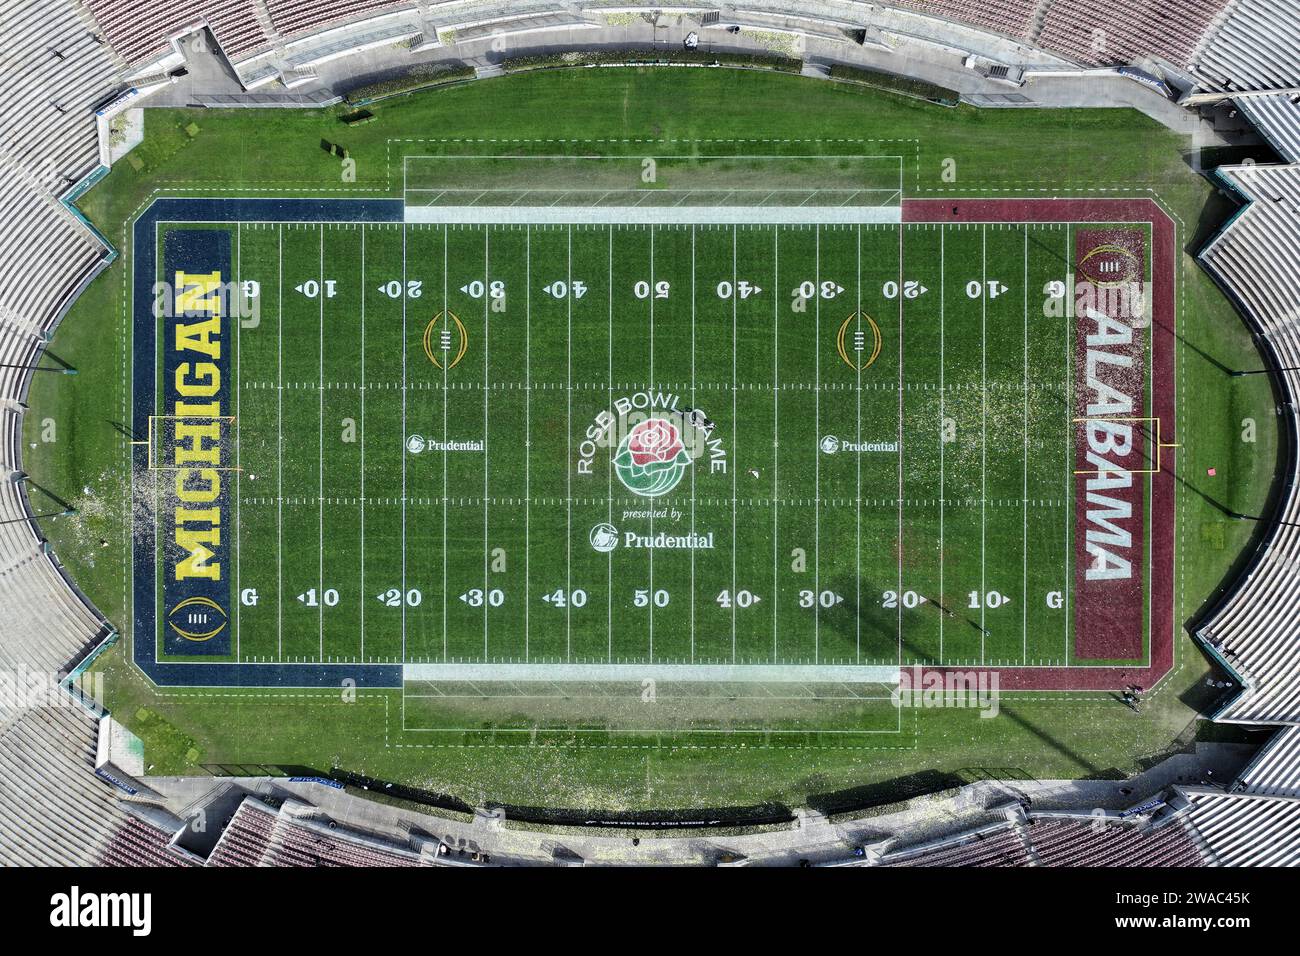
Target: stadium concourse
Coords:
[[72, 65]]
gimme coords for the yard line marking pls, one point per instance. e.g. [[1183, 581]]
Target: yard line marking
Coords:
[[609, 476], [1069, 427], [487, 449], [445, 401], [817, 430], [528, 428], [735, 432], [857, 531], [362, 504], [239, 371], [320, 457], [1024, 491], [776, 431], [692, 467], [405, 592], [651, 551], [899, 547], [943, 424], [279, 458], [984, 417], [568, 458]]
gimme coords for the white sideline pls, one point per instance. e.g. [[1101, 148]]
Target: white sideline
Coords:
[[635, 673], [637, 215]]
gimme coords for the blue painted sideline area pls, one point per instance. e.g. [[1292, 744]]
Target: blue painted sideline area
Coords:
[[144, 378]]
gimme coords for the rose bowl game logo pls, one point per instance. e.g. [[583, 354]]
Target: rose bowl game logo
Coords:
[[652, 458]]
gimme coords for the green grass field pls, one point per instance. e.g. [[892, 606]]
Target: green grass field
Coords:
[[586, 749], [359, 548]]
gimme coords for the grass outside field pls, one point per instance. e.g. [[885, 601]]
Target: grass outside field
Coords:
[[995, 153]]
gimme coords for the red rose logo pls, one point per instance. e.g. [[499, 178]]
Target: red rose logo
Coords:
[[651, 458], [654, 441]]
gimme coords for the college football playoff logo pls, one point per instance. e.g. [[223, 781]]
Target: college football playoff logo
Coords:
[[652, 459]]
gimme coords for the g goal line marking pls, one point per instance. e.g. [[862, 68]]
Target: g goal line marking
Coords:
[[160, 432]]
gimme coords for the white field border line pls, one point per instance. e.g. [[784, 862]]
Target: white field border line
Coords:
[[898, 649], [403, 599], [1069, 228], [735, 433], [487, 445], [776, 434], [633, 159], [568, 445], [556, 214], [609, 473], [817, 431], [362, 398], [279, 457], [239, 371], [128, 414], [659, 731], [476, 693], [984, 429], [1070, 323], [644, 194], [857, 522], [528, 433], [446, 370], [692, 550], [943, 426], [159, 639], [1149, 531], [320, 457], [1024, 488], [650, 552]]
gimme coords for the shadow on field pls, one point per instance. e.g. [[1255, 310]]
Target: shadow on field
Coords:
[[1091, 770], [126, 432], [881, 794]]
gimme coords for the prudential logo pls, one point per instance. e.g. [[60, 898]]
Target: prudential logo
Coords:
[[75, 909]]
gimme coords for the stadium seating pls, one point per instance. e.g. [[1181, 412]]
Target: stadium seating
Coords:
[[1084, 843], [1012, 17], [63, 58], [137, 843], [1003, 846], [1256, 46], [1107, 32], [1277, 117], [293, 17], [55, 72], [1256, 259], [259, 835], [1246, 45], [1237, 830], [53, 809], [1058, 842], [142, 31], [1275, 771]]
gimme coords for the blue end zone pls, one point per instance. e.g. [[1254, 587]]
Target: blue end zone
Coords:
[[196, 601], [189, 443]]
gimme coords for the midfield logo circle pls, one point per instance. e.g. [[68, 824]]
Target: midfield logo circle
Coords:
[[652, 459]]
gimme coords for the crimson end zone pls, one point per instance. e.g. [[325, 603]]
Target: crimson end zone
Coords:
[[1123, 397]]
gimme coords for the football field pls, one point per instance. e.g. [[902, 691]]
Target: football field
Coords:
[[506, 448]]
